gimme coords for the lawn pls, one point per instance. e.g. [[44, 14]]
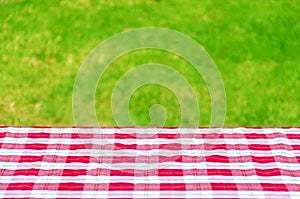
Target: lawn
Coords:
[[255, 45]]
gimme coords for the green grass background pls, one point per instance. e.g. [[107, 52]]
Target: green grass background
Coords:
[[255, 45]]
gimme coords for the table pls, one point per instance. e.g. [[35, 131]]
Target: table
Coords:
[[44, 162]]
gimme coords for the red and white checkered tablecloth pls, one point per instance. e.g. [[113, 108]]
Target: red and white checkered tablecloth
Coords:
[[41, 162]]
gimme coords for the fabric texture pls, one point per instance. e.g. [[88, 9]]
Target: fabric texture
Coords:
[[43, 162]]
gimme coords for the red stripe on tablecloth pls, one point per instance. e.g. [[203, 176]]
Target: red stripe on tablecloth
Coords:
[[147, 127], [159, 172], [121, 186], [148, 136], [151, 159]]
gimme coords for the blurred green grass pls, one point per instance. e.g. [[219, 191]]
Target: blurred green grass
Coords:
[[255, 45]]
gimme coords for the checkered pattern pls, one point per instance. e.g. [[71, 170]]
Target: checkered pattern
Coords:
[[238, 163]]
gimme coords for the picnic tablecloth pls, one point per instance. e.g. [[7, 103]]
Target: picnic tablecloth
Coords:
[[43, 162]]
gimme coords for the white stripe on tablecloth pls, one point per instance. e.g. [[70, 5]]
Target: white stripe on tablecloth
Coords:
[[150, 194], [163, 152], [154, 179], [168, 165], [151, 141], [161, 130]]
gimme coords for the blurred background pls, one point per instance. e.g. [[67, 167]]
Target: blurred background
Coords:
[[255, 45]]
